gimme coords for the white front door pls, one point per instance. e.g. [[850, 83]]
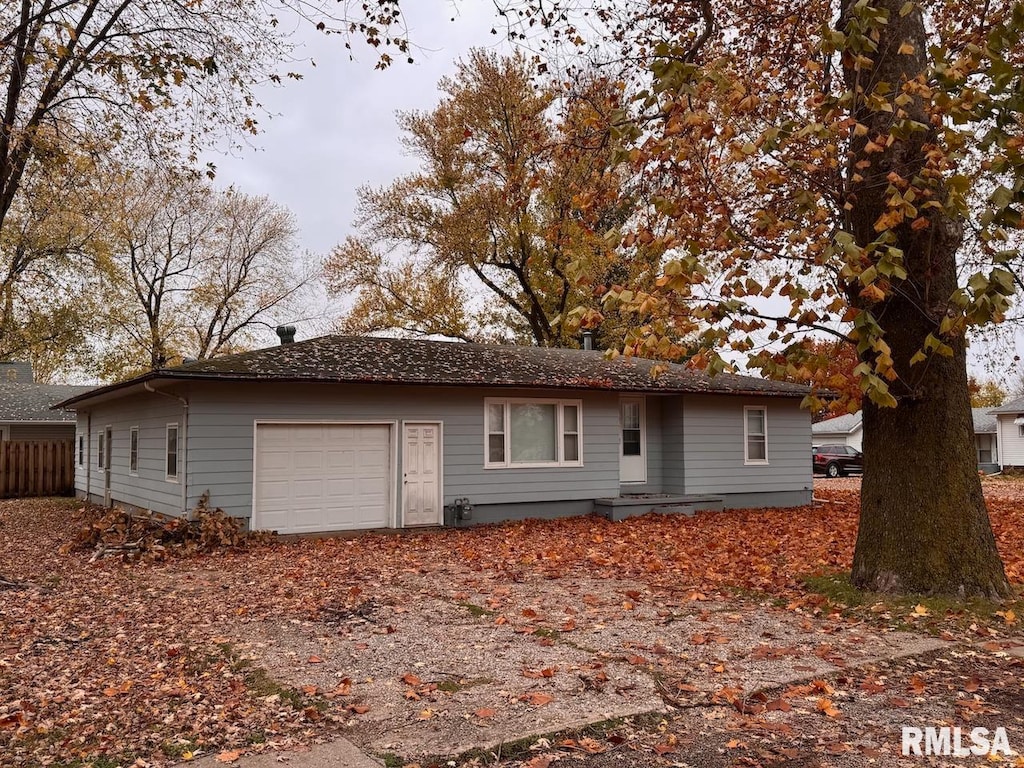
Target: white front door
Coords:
[[632, 440], [421, 475]]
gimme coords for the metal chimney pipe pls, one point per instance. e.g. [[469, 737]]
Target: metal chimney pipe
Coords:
[[286, 333], [588, 340]]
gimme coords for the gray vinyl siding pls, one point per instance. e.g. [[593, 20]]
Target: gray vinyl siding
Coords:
[[149, 489], [222, 418], [694, 445], [28, 431], [673, 468], [713, 446]]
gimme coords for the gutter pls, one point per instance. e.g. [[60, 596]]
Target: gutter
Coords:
[[171, 375], [183, 458]]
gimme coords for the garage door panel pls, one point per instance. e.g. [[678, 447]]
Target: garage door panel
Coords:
[[370, 458], [274, 489], [341, 460], [273, 459], [313, 477], [308, 489], [338, 488]]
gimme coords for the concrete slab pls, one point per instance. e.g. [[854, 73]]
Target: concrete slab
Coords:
[[340, 753]]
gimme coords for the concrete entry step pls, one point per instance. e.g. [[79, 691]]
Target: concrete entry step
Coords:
[[620, 507]]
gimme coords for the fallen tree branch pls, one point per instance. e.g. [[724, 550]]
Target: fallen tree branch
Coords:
[[103, 549], [7, 583]]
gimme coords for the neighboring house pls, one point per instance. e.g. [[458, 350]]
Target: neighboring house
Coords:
[[26, 407], [848, 429], [1010, 433], [986, 442], [843, 430], [354, 432]]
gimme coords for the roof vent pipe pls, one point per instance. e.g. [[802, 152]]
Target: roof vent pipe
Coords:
[[588, 340], [286, 333]]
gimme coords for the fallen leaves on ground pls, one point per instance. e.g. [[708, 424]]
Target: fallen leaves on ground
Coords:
[[118, 659]]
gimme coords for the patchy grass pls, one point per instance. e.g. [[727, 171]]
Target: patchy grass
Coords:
[[931, 613], [451, 685], [101, 761], [526, 747], [477, 611], [180, 749]]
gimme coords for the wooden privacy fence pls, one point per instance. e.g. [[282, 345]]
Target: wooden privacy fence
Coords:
[[37, 468]]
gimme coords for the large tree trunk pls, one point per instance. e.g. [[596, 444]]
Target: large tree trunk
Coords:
[[923, 522]]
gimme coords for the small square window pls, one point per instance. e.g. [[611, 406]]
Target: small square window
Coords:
[[755, 434], [133, 451], [571, 433], [172, 451]]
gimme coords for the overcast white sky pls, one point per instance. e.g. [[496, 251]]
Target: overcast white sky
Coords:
[[335, 130]]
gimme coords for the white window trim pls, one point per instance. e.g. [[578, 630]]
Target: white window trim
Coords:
[[177, 452], [559, 432], [133, 433], [746, 436], [101, 448], [80, 450]]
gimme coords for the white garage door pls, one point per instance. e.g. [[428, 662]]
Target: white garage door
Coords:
[[322, 477]]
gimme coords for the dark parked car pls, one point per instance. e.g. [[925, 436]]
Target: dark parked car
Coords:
[[836, 460]]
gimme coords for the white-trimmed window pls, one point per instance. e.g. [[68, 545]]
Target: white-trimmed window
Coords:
[[101, 449], [81, 450], [172, 452], [1019, 421], [755, 434], [528, 432], [133, 451]]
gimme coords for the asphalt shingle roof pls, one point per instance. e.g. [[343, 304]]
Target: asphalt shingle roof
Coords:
[[848, 422], [370, 360], [1014, 406], [33, 402], [844, 424], [984, 424]]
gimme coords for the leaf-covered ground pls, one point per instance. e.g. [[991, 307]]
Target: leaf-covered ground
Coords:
[[403, 642]]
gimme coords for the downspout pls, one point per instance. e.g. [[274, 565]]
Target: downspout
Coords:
[[999, 444], [184, 441], [88, 456]]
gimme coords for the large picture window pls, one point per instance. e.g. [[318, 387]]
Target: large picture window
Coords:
[[755, 434], [537, 433]]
